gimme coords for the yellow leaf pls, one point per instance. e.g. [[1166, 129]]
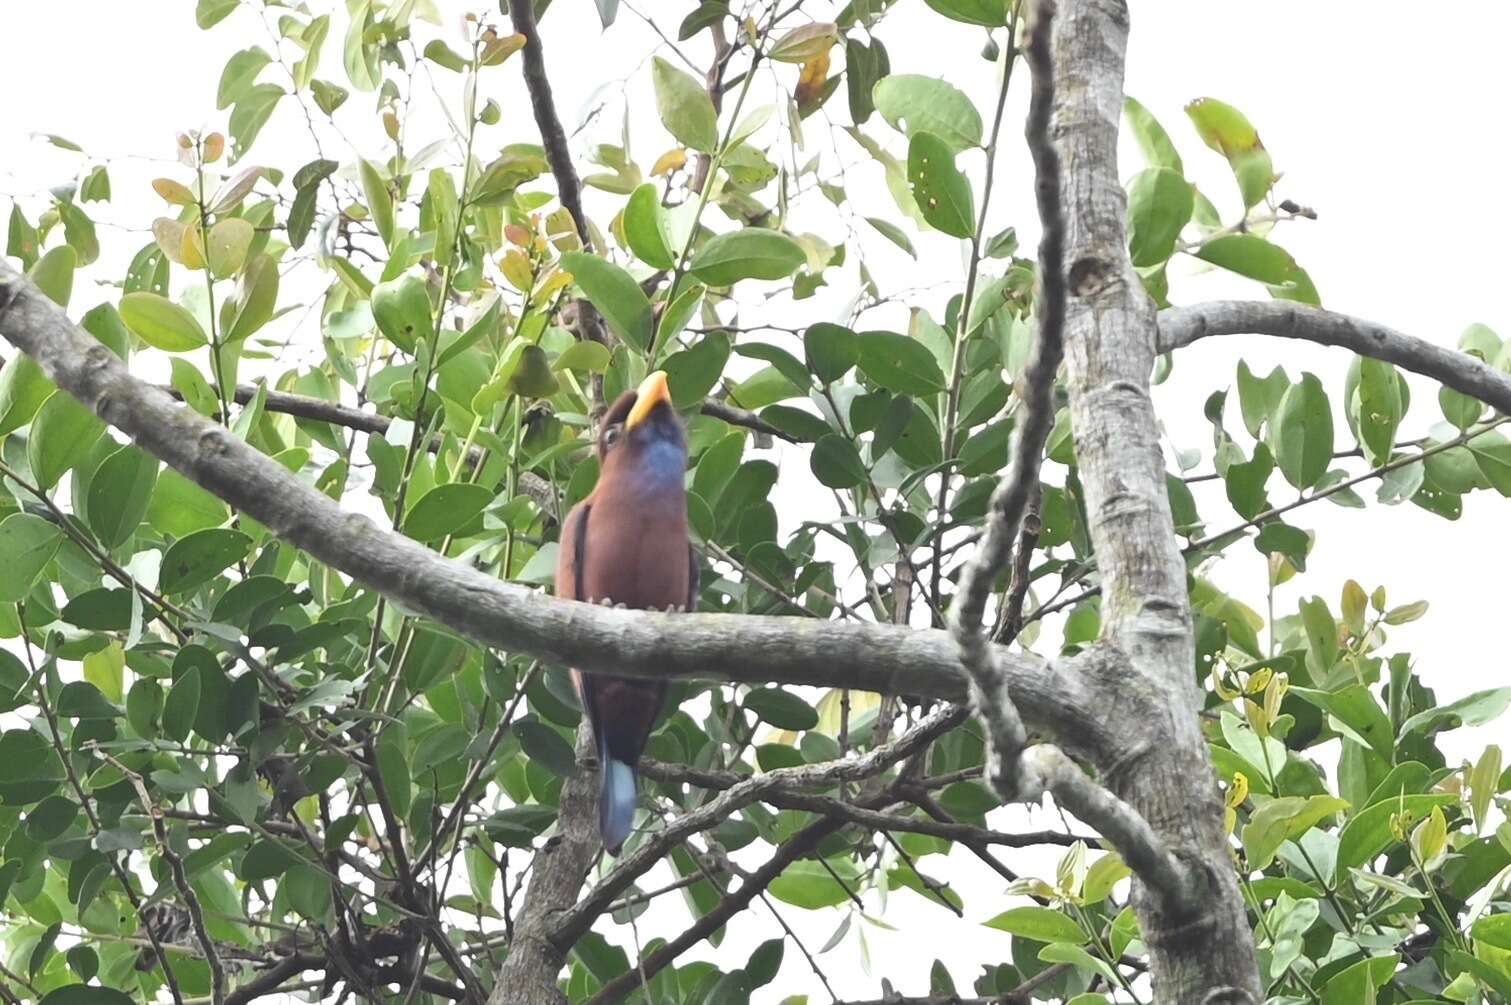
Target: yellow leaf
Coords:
[[810, 83], [496, 50], [516, 268], [1238, 790], [214, 146], [552, 284], [191, 249], [174, 192], [674, 159]]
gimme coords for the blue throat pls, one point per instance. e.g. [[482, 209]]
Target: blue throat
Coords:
[[663, 463]]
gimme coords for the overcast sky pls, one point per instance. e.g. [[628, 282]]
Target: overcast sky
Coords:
[[1388, 119]]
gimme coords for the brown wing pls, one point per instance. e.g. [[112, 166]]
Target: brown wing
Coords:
[[569, 557]]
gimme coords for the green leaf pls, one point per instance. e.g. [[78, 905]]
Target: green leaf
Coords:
[[27, 544], [1367, 832], [646, 229], [893, 233], [207, 14], [198, 558], [90, 994], [782, 709], [182, 705], [393, 769], [402, 310], [865, 64], [1357, 983], [1159, 207], [1493, 930], [309, 891], [192, 385], [227, 245], [379, 200], [1284, 819], [161, 323], [693, 372], [615, 293], [1492, 453], [807, 884], [836, 463], [899, 363], [1226, 130], [831, 350], [23, 389], [1302, 434], [54, 273], [144, 707], [1356, 709], [255, 299], [545, 746], [1476, 709], [446, 509], [179, 507], [1156, 145], [943, 194], [913, 103], [1040, 924], [686, 110], [240, 72], [82, 700], [251, 113], [590, 356], [1251, 256], [1379, 408], [988, 13], [61, 435], [752, 253]]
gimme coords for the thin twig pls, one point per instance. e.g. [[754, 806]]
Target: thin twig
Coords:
[[180, 878]]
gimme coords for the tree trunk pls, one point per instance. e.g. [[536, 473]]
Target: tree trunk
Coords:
[[1162, 769]]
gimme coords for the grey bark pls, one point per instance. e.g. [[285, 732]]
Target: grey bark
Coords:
[[750, 649], [1205, 953], [1180, 326]]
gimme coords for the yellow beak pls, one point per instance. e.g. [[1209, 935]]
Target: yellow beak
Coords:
[[651, 392]]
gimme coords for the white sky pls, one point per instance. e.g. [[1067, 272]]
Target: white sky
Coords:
[[1381, 116]]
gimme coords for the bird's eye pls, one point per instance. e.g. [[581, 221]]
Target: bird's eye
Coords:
[[612, 434]]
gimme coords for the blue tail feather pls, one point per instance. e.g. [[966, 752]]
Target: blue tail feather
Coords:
[[616, 801]]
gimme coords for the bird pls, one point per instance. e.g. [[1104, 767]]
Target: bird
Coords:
[[627, 544]]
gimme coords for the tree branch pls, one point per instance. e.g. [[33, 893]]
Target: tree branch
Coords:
[[1180, 326], [1054, 696], [850, 812], [552, 136], [1006, 735], [1162, 770], [573, 923], [794, 848]]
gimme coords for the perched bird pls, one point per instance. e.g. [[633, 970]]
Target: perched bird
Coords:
[[627, 543]]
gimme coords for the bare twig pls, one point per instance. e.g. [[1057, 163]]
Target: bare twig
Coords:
[[575, 921], [1005, 731], [552, 136], [180, 879]]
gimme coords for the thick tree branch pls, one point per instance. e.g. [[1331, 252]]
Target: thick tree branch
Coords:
[[1054, 699], [1013, 771], [1162, 770], [1180, 326]]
